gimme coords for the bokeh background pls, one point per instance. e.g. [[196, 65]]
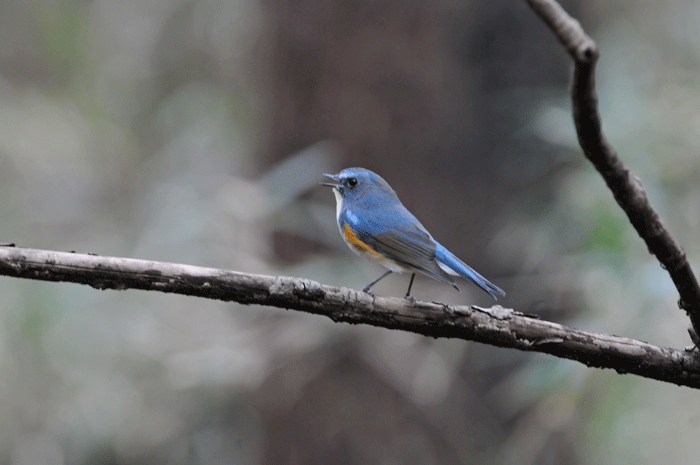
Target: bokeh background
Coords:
[[196, 131]]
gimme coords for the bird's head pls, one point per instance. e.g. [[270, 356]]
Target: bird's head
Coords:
[[359, 183]]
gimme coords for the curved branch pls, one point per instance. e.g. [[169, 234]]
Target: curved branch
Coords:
[[496, 325], [625, 186]]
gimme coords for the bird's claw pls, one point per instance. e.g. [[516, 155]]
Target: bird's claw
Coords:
[[411, 299], [368, 291]]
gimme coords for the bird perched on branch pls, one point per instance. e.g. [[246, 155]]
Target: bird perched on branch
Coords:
[[375, 224]]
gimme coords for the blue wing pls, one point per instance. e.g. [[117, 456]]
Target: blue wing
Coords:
[[401, 238]]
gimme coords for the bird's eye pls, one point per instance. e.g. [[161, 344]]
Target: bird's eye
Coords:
[[352, 182]]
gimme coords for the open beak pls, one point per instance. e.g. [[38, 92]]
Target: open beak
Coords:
[[333, 177]]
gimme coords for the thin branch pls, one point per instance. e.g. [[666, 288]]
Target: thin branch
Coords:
[[625, 186], [496, 325]]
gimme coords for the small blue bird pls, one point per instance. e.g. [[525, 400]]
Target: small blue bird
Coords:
[[375, 224]]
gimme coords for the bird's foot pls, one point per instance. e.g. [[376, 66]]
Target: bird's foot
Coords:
[[366, 290], [411, 299]]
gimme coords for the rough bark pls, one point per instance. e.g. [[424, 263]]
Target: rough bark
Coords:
[[497, 326]]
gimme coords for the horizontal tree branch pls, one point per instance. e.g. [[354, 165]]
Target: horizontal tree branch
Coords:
[[496, 326], [625, 186]]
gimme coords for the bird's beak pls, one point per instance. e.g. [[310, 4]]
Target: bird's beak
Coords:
[[335, 184]]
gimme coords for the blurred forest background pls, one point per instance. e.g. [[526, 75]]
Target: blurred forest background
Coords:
[[196, 131]]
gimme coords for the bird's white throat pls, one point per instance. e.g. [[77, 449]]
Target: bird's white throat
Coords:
[[338, 203]]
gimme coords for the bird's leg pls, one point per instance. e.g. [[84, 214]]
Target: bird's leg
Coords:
[[366, 288], [408, 292]]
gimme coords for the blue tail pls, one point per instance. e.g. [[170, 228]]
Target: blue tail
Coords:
[[447, 258]]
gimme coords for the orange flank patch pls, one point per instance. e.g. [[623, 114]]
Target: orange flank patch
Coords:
[[355, 241]]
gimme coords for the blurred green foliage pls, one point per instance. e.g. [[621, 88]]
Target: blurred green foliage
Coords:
[[59, 29], [605, 230]]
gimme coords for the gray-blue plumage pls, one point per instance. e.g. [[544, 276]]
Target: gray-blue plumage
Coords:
[[375, 224]]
